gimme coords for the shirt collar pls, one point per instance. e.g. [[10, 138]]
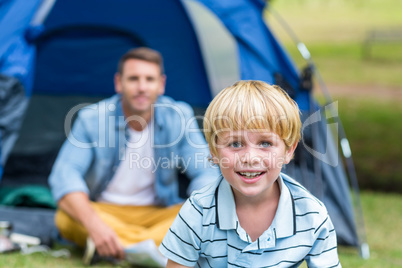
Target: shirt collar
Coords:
[[158, 113], [225, 207], [284, 222]]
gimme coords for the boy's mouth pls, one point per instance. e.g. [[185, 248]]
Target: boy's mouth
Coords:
[[250, 175]]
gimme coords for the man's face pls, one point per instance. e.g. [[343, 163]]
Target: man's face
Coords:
[[139, 84]]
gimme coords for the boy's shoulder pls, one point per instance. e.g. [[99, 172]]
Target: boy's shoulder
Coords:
[[205, 197], [308, 211], [302, 198]]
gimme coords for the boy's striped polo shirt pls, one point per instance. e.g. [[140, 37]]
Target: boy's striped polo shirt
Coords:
[[207, 233]]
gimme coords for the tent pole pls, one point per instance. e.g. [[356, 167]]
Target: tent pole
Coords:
[[317, 165], [364, 250], [351, 171]]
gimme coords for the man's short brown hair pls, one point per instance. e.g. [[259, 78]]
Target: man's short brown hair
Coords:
[[141, 53]]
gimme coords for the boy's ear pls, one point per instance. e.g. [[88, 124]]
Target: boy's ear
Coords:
[[213, 159], [289, 153]]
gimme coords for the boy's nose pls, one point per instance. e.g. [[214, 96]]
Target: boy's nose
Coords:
[[250, 157]]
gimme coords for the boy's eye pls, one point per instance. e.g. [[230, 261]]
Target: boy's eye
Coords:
[[265, 144], [235, 144]]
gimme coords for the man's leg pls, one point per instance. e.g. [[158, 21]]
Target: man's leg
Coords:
[[70, 229], [132, 224], [112, 215], [156, 222]]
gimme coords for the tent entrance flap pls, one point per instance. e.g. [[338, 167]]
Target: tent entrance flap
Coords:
[[92, 70]]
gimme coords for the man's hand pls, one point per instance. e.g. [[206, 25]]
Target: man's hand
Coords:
[[105, 239], [78, 206]]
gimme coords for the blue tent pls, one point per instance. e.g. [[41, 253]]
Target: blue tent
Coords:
[[65, 53]]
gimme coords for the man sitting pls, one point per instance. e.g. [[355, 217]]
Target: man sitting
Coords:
[[116, 176]]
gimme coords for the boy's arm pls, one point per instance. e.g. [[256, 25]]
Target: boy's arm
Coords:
[[172, 264], [194, 154], [324, 252], [182, 243]]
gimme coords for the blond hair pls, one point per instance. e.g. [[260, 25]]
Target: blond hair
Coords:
[[253, 105]]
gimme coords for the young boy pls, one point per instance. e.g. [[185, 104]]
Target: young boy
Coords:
[[254, 216]]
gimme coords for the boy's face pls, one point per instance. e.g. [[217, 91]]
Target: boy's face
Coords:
[[251, 161]]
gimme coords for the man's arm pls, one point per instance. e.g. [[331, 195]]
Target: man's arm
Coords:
[[72, 163], [78, 206], [194, 153], [70, 189]]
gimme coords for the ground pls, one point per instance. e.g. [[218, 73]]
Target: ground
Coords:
[[376, 92]]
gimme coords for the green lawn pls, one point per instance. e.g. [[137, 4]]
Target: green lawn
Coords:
[[335, 31], [345, 64], [338, 21], [374, 128], [383, 218]]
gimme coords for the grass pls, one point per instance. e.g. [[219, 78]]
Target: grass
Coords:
[[345, 63], [338, 20], [335, 31], [383, 218], [374, 128]]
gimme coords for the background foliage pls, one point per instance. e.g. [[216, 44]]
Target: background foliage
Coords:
[[367, 86]]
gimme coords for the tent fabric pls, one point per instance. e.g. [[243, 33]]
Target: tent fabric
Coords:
[[327, 187], [27, 196], [1, 165], [115, 29], [37, 222], [261, 56], [16, 54], [72, 58], [13, 103]]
